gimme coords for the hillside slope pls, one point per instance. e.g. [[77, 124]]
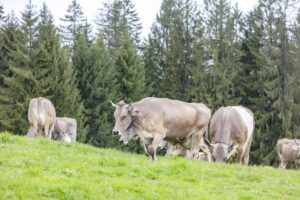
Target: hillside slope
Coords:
[[44, 169]]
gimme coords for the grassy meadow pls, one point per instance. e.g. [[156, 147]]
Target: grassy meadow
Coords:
[[43, 169]]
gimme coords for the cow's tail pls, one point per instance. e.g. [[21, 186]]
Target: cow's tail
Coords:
[[39, 118]]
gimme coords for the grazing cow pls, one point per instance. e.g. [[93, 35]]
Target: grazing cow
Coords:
[[156, 119], [231, 129], [41, 115], [288, 152], [65, 129]]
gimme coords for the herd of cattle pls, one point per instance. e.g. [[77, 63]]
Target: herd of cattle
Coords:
[[179, 127]]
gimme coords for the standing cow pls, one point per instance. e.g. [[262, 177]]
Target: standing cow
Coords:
[[231, 129], [288, 152], [156, 119], [65, 129], [41, 116]]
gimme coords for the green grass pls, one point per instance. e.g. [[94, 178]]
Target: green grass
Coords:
[[43, 169]]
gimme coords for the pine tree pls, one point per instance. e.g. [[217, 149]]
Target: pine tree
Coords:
[[114, 19], [73, 21]]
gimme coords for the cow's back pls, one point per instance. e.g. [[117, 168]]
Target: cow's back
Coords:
[[288, 149], [176, 117], [230, 123], [42, 110]]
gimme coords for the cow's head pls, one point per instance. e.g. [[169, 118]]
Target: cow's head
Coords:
[[124, 117], [221, 152]]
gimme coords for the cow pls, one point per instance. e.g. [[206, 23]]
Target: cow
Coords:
[[288, 152], [231, 130], [65, 129], [156, 119], [41, 116]]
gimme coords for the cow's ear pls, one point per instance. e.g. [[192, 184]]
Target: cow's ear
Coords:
[[132, 110], [231, 150]]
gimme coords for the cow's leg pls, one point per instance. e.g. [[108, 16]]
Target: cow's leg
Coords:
[[35, 126], [246, 152], [197, 142], [145, 148], [240, 152], [46, 130], [169, 150], [155, 143], [51, 131], [282, 164]]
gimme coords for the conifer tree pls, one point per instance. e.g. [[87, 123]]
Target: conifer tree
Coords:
[[114, 19], [56, 76], [129, 71], [171, 61], [73, 21], [296, 90], [20, 85], [222, 46], [1, 13], [99, 82]]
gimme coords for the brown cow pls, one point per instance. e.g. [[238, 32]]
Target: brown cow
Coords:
[[156, 119], [231, 129], [65, 129], [41, 115], [288, 152]]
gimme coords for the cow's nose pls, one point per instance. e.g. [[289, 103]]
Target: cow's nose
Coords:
[[121, 141], [115, 132]]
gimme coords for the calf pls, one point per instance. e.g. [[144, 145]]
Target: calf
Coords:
[[288, 152]]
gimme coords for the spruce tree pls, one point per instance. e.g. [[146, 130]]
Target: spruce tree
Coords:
[[225, 52], [72, 23], [174, 51], [296, 90], [129, 71], [56, 76], [114, 19], [20, 84], [99, 82]]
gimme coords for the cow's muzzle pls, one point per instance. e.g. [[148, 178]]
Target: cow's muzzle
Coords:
[[123, 142], [115, 132]]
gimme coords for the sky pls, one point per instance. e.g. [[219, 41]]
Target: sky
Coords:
[[146, 9]]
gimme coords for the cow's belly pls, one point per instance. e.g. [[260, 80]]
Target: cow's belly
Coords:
[[178, 132]]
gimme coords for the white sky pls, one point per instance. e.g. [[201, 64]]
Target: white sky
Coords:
[[146, 9]]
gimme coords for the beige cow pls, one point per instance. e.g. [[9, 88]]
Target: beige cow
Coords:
[[41, 116], [65, 129], [288, 152], [231, 129], [156, 119]]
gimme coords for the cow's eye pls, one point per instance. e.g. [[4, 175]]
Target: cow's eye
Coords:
[[124, 116]]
